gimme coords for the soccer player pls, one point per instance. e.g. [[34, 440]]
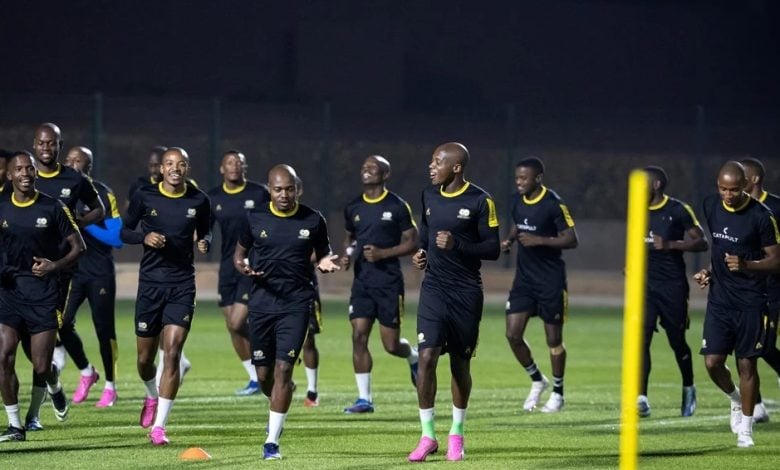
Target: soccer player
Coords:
[[170, 214], [674, 230], [229, 205], [380, 229], [152, 178], [95, 281], [744, 250], [543, 228], [459, 229], [275, 250], [754, 172], [33, 228], [72, 188]]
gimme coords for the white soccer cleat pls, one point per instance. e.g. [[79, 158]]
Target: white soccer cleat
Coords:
[[745, 439], [554, 403], [643, 406], [760, 414], [736, 416], [537, 388]]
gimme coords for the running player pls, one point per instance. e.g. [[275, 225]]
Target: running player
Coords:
[[674, 230], [754, 172], [542, 227], [380, 229], [170, 214], [459, 229], [33, 228], [744, 250], [95, 281], [229, 205], [70, 187], [153, 177], [275, 250]]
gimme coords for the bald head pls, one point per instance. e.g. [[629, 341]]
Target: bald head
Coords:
[[80, 159], [47, 144], [384, 165], [456, 151], [731, 184], [732, 171], [283, 187]]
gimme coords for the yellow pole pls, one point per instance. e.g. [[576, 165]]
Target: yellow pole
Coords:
[[633, 314]]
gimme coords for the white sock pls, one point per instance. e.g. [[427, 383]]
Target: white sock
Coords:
[[413, 356], [59, 357], [746, 425], [275, 425], [364, 385], [164, 406], [160, 366], [250, 369], [311, 380], [109, 386], [735, 396], [458, 414], [87, 371], [426, 414], [151, 389], [13, 415], [37, 396], [184, 363]]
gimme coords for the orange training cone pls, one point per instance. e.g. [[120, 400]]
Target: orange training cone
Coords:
[[194, 453]]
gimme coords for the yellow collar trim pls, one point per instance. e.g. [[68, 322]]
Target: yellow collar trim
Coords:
[[537, 198], [24, 204], [763, 196], [171, 195], [279, 213], [736, 209], [54, 173], [233, 191], [660, 204], [455, 193], [377, 199]]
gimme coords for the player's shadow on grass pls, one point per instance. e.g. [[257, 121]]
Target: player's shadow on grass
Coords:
[[683, 452], [64, 448]]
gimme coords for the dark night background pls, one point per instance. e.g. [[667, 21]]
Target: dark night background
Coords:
[[400, 55], [595, 88]]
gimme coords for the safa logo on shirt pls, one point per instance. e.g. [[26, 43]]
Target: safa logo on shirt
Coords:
[[41, 222], [191, 213], [65, 192], [304, 234], [249, 204]]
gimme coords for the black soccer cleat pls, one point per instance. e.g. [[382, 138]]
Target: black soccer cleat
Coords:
[[13, 434], [60, 404]]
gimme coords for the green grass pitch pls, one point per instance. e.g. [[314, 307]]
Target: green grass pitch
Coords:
[[498, 433]]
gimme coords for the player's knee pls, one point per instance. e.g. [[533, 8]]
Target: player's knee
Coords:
[[515, 339], [557, 350], [714, 362]]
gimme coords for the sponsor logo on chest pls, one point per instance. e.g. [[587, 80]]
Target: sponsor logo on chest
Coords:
[[724, 235]]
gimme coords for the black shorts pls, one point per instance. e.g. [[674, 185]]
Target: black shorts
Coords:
[[746, 333], [234, 290], [156, 307], [548, 302], [275, 336], [100, 293], [449, 319], [383, 303], [667, 302], [28, 318], [315, 319]]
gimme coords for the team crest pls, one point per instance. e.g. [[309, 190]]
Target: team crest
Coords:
[[41, 222], [464, 213], [257, 354], [142, 326], [420, 338], [249, 204], [263, 234], [218, 208], [304, 234], [191, 213], [387, 215], [153, 213], [65, 192], [356, 219]]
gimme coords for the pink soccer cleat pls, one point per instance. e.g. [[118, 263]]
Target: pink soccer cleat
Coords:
[[148, 412], [455, 447], [425, 447], [108, 398], [157, 436], [85, 383]]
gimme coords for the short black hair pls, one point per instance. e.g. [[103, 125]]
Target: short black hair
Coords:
[[658, 174], [755, 165], [534, 163]]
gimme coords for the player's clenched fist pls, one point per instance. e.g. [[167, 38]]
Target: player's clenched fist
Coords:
[[420, 259], [445, 240]]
